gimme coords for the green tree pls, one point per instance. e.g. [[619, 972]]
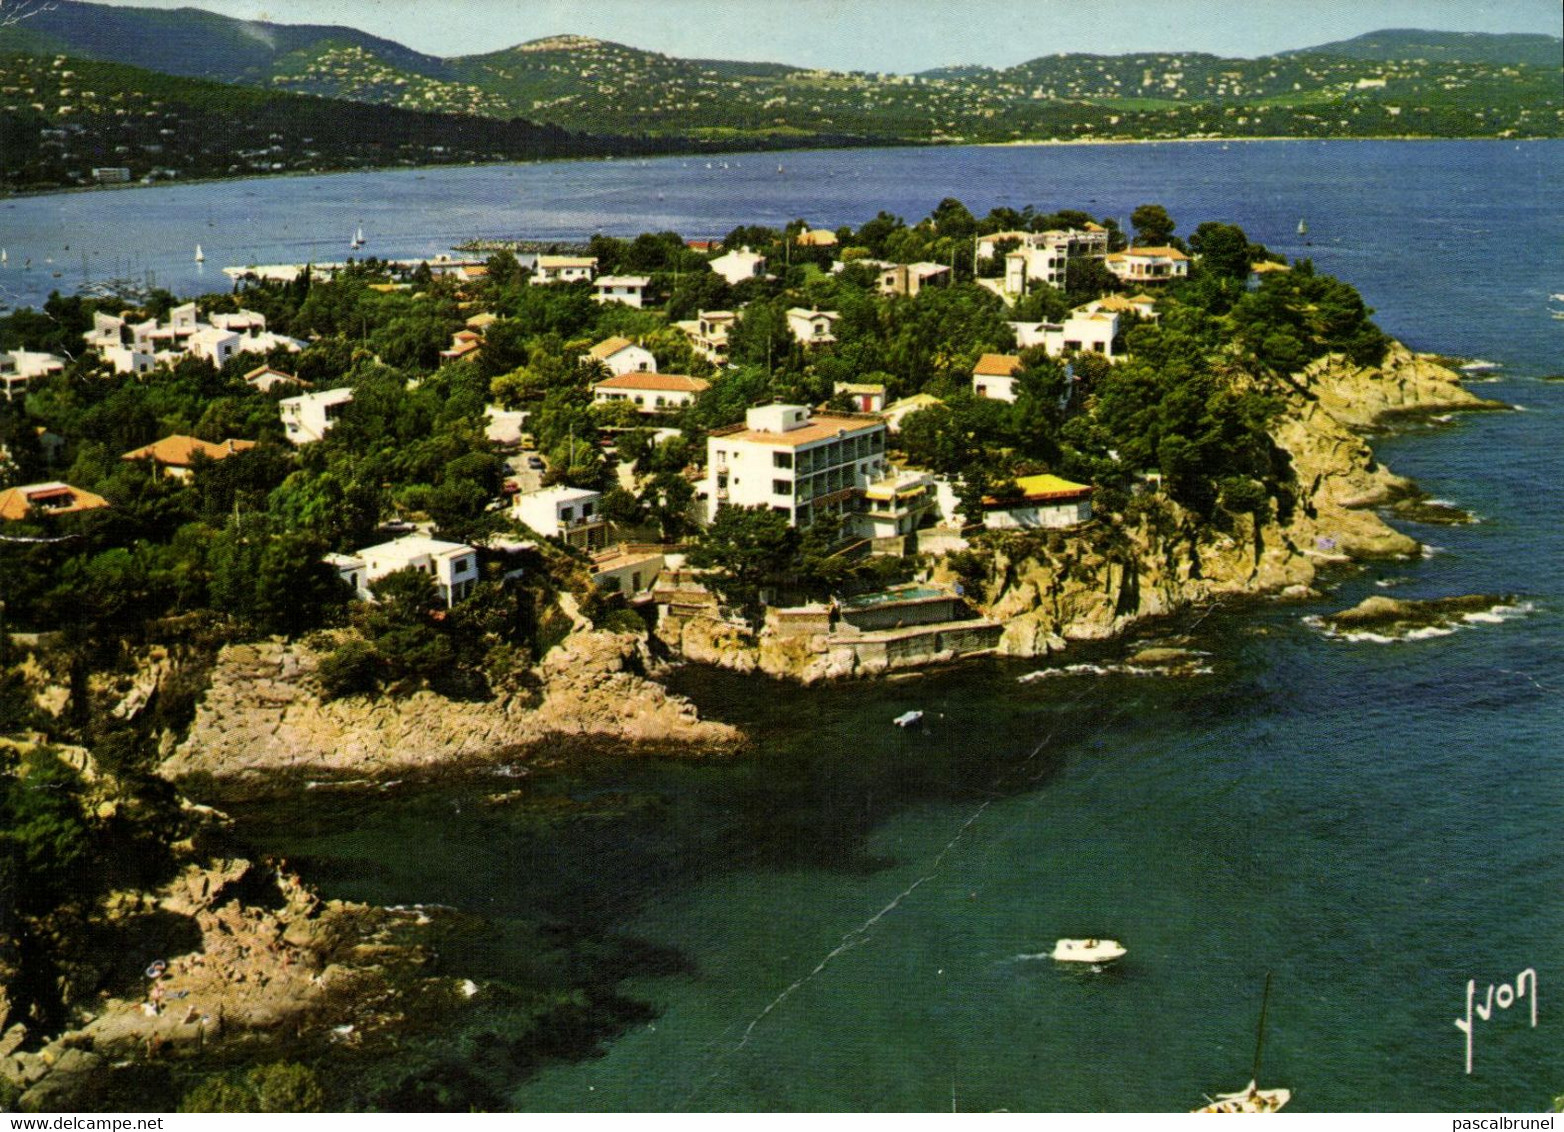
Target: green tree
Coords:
[[1153, 226], [749, 549]]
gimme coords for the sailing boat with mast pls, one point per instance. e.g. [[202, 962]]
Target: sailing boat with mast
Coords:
[[200, 256], [1252, 1098]]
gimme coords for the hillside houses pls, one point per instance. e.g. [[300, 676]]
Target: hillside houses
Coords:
[[137, 348]]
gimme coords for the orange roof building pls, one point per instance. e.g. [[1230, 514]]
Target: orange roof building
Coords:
[[53, 498], [650, 392], [176, 454]]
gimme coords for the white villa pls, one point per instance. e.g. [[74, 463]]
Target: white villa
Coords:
[[738, 266], [136, 348], [896, 504], [19, 368], [215, 345], [651, 393], [994, 376], [1148, 265], [1088, 332], [624, 289], [811, 327], [309, 416], [1043, 256], [709, 335], [898, 411], [564, 269], [622, 356], [794, 461], [453, 565], [568, 513]]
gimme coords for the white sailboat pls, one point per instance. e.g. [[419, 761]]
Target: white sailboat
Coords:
[[1251, 1098], [200, 256], [1303, 229], [358, 239]]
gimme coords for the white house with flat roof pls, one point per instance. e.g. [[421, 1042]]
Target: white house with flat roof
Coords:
[[1043, 257], [1084, 332], [709, 334], [452, 565], [798, 462], [568, 513], [215, 345], [19, 368], [738, 266], [309, 416], [564, 269], [127, 359], [624, 289]]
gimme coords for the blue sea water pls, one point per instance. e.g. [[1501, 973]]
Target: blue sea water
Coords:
[[848, 916]]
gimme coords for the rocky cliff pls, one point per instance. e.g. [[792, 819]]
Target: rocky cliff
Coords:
[[1051, 588], [1055, 590], [263, 712]]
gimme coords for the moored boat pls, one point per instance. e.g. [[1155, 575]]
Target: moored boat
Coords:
[[1089, 950]]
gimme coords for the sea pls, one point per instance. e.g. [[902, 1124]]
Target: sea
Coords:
[[849, 915]]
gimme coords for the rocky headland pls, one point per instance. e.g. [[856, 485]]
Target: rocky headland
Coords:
[[264, 712], [1040, 591]]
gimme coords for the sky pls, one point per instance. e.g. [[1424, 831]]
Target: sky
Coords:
[[891, 35]]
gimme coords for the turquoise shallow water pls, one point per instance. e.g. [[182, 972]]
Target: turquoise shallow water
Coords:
[[840, 920]]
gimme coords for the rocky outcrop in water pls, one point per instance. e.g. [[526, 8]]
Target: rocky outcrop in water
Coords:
[[263, 712], [1382, 618]]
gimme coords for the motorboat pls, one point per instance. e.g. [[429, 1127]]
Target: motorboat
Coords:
[[1089, 950], [907, 718]]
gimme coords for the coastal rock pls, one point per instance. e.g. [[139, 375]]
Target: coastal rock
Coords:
[[262, 954], [1400, 618], [263, 712]]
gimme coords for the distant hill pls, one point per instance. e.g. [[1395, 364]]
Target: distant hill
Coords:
[[1447, 47], [189, 41], [1390, 83]]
